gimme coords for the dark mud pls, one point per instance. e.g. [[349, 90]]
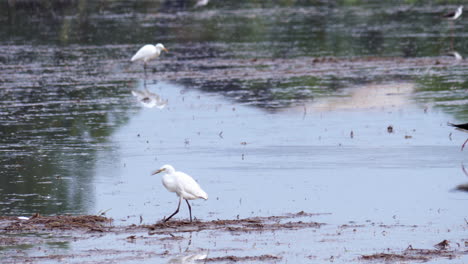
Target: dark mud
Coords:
[[19, 234], [60, 222], [246, 258], [258, 81], [103, 224], [253, 224], [266, 68], [180, 67], [415, 255]]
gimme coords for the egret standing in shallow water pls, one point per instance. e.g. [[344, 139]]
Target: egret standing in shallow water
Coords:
[[148, 52], [454, 15], [183, 185]]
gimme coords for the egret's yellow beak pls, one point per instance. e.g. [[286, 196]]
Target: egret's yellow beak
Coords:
[[158, 171], [166, 50]]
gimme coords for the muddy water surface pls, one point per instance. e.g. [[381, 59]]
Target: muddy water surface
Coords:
[[274, 108]]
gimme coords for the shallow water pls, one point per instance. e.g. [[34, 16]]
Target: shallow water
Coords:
[[261, 104]]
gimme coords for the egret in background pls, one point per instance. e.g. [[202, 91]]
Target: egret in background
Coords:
[[454, 15], [183, 185], [201, 3], [148, 52]]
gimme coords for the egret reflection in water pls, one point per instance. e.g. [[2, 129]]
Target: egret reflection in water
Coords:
[[457, 56], [462, 187], [189, 259], [149, 99]]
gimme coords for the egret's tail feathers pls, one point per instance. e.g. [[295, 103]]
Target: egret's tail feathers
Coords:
[[137, 56]]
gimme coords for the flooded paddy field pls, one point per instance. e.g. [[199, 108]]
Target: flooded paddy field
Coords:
[[318, 129], [274, 239]]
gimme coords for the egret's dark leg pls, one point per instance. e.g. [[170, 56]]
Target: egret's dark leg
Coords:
[[176, 211], [146, 77], [463, 146], [189, 209]]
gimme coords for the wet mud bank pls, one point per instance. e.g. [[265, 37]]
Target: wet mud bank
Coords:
[[86, 233], [53, 66], [58, 79]]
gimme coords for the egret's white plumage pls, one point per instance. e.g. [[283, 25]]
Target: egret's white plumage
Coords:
[[183, 185], [201, 3], [148, 52]]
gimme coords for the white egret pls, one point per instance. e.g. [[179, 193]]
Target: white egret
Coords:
[[201, 3], [454, 15], [183, 185], [148, 52]]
